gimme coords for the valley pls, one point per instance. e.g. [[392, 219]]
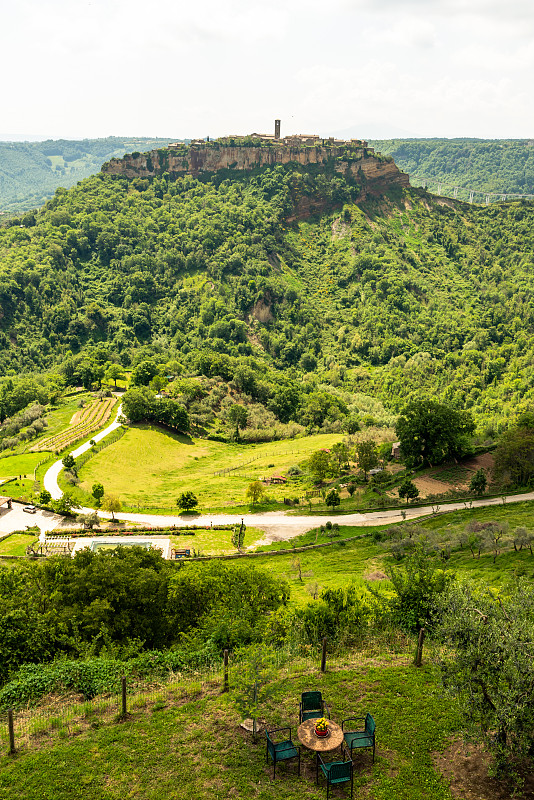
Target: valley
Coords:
[[312, 345]]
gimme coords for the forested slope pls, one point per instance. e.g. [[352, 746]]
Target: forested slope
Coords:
[[393, 298], [30, 172], [500, 166]]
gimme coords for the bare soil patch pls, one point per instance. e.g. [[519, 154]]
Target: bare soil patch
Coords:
[[428, 486], [466, 766], [377, 575], [483, 461]]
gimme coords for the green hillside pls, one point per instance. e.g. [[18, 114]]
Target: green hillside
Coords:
[[392, 298], [482, 166], [30, 172]]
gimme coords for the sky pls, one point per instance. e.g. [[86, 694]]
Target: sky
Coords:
[[363, 68]]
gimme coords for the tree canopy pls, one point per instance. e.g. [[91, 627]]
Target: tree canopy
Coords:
[[430, 432]]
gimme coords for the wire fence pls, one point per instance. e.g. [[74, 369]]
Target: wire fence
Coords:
[[63, 716]]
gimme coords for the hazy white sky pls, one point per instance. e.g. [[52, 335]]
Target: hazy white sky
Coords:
[[371, 68]]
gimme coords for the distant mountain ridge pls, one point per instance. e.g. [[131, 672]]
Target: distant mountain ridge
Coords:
[[30, 172], [482, 166]]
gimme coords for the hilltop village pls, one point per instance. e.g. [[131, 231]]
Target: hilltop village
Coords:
[[353, 159]]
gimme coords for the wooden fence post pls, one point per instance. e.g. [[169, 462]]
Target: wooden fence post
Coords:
[[225, 684], [123, 692], [323, 656], [419, 654], [11, 729]]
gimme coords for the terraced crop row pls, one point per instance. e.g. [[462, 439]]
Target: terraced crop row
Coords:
[[97, 414]]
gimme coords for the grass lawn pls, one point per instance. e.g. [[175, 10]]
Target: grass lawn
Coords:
[[20, 464], [336, 566], [193, 748], [15, 545], [341, 564], [212, 542], [150, 467]]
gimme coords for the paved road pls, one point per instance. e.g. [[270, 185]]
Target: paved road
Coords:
[[51, 475], [276, 524]]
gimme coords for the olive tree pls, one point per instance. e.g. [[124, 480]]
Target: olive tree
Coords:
[[488, 663]]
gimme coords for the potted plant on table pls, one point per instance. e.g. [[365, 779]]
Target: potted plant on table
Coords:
[[321, 727]]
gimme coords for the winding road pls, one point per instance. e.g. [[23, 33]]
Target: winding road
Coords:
[[276, 525]]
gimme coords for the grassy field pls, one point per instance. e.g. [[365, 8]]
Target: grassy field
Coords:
[[20, 464], [16, 544], [340, 564], [150, 467], [190, 746]]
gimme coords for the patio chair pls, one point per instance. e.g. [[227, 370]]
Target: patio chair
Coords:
[[281, 750], [312, 706], [360, 738], [335, 772]]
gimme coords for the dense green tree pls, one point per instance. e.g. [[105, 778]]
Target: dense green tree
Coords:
[[238, 416], [514, 457], [417, 584], [187, 501], [319, 465], [115, 373], [367, 455], [143, 373], [487, 664], [408, 490], [98, 492], [332, 498], [255, 492], [69, 462], [111, 503], [430, 432], [478, 482]]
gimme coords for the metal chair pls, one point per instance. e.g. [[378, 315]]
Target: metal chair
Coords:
[[335, 772], [312, 706], [280, 750], [360, 738]]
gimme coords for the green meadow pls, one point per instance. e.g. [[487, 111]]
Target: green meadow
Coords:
[[189, 745], [149, 467]]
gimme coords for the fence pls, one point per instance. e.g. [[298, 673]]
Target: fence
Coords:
[[256, 458], [61, 718], [111, 439]]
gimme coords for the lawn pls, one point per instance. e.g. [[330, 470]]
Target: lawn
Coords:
[[16, 544], [191, 747], [341, 564], [20, 464], [149, 468], [211, 541]]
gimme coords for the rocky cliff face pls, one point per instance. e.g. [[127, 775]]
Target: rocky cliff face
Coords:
[[373, 172]]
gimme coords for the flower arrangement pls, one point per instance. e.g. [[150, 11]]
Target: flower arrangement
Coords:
[[321, 726]]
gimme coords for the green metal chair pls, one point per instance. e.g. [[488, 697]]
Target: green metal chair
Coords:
[[281, 750], [335, 772], [360, 738], [312, 706]]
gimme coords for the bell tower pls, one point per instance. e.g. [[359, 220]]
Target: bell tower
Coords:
[[277, 129]]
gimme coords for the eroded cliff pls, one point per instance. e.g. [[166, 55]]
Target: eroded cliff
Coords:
[[372, 172]]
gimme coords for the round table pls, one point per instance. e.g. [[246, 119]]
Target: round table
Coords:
[[319, 744]]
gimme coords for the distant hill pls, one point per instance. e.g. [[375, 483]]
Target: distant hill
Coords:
[[482, 166], [227, 275], [30, 172]]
